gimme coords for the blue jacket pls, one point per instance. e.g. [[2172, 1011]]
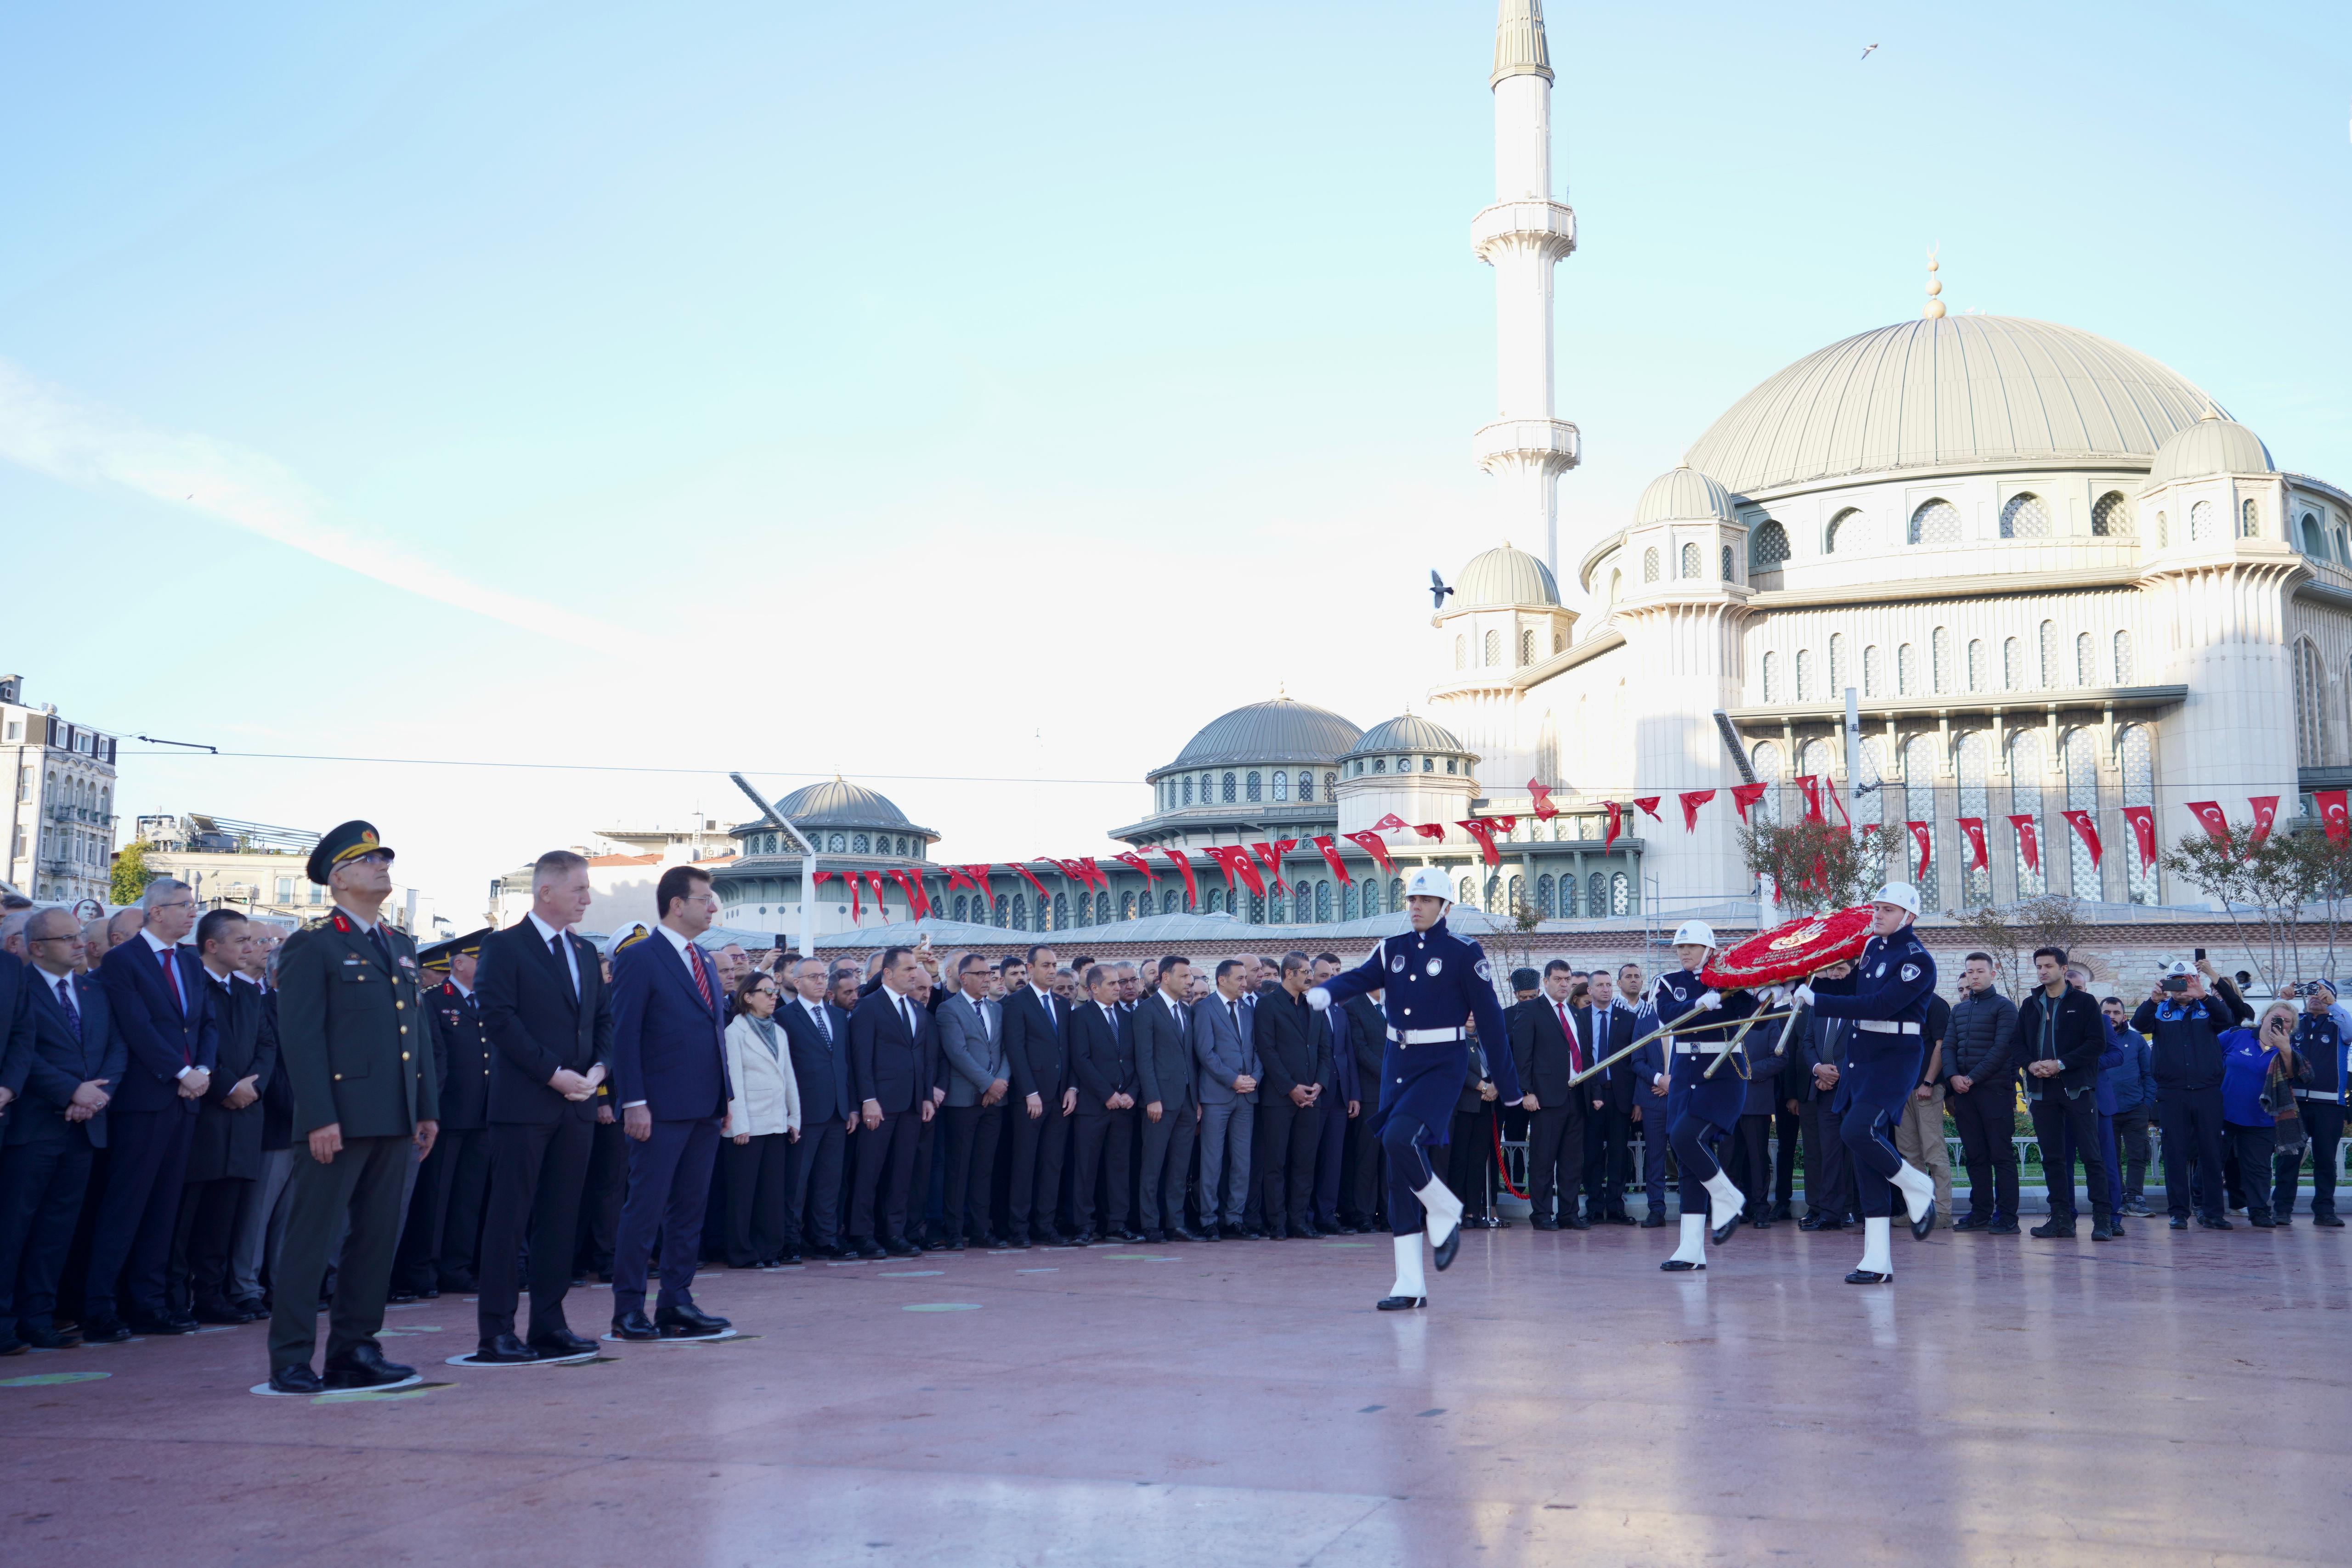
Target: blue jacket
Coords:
[[1892, 985], [670, 1047], [2326, 1046], [2245, 1065], [2127, 1079], [52, 1061], [1432, 982], [163, 1035]]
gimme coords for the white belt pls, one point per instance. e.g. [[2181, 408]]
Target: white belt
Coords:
[[1428, 1036], [2327, 1095], [1701, 1048], [1885, 1026]]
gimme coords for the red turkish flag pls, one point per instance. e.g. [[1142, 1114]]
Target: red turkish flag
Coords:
[[1389, 824], [2087, 830], [1095, 873], [1136, 860], [1691, 800], [1925, 837], [1375, 846], [1746, 795], [1504, 825], [2334, 810], [1023, 873], [1616, 824], [1236, 862], [1430, 829], [919, 903], [1972, 830], [2143, 825], [1184, 865], [1270, 856], [2265, 813], [1072, 870], [2027, 842], [1483, 832], [973, 876], [874, 881], [1650, 804], [1331, 857], [1545, 810], [2212, 819], [1811, 784]]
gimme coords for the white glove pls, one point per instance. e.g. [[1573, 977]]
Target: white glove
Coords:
[[1318, 998], [1709, 1001], [1804, 994]]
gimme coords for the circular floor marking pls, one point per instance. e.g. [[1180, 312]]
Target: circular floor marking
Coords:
[[49, 1379], [944, 1307]]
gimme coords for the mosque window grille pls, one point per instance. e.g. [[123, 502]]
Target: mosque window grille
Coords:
[[1690, 562], [1650, 564], [1306, 785], [1305, 902], [2135, 762], [1188, 788], [1330, 786], [2024, 518], [1228, 796], [2025, 801], [2250, 520], [1907, 670], [1770, 669], [1281, 784], [2012, 665], [2123, 658], [1596, 892], [1323, 901], [2163, 530], [1469, 893], [1871, 675], [2309, 739], [1254, 787], [1429, 765], [1021, 912], [2200, 523], [1969, 759], [1939, 655], [1936, 522], [1396, 894], [1804, 675], [1920, 806], [1461, 651], [838, 843], [1544, 887], [2049, 651], [1379, 765], [1768, 546], [1838, 671], [1526, 647], [1559, 643], [1278, 909], [1729, 573], [2087, 659], [1621, 894], [1493, 648], [1840, 528], [2111, 516]]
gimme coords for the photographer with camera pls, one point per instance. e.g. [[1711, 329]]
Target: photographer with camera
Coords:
[[2184, 1027]]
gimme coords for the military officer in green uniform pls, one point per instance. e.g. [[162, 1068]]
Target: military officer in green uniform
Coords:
[[359, 1051]]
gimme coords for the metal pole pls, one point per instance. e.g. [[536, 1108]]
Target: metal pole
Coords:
[[808, 864], [1853, 762]]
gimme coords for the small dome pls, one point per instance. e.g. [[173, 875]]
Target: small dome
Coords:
[[1505, 576], [1684, 496], [837, 803], [2211, 445], [1278, 731], [1408, 732]]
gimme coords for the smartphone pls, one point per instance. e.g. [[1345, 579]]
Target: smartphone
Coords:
[[2200, 952], [2176, 983]]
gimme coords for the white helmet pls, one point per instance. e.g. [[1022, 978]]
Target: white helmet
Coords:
[[1697, 931], [1429, 883], [1902, 895]]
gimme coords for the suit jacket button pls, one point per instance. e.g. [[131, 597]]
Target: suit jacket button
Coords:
[[403, 1056], [339, 1078], [398, 1005], [403, 1028]]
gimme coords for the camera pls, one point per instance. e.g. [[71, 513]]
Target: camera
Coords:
[[2176, 983]]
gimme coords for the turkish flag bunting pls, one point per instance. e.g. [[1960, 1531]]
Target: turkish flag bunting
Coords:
[[1430, 829], [1388, 824], [974, 876], [2333, 808], [874, 881], [1838, 800], [1270, 856], [822, 877], [1925, 837], [918, 902], [1331, 857], [1247, 868], [1504, 825], [1072, 870], [1616, 824], [2087, 830], [1095, 873], [1545, 810], [2029, 842], [2265, 813], [2143, 825], [2212, 819], [1484, 831], [1746, 795], [1375, 846], [1811, 783], [1023, 873], [1691, 800], [1649, 803], [1184, 865], [1223, 856], [1136, 860], [1972, 830]]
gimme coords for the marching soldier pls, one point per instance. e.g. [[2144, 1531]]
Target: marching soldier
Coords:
[[1701, 1112], [355, 1045]]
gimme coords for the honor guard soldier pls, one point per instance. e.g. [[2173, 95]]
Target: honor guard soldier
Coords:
[[355, 1045], [1886, 997], [1701, 1112], [1432, 981], [2321, 1042]]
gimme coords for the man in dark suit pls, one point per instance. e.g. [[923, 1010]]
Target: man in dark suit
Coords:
[[1548, 1052], [1225, 1074], [444, 1212], [65, 1054], [669, 1072], [1340, 1107], [224, 1152], [1161, 1027], [1605, 1025], [894, 1068], [1102, 1060], [1044, 1096], [352, 1033], [971, 1039], [1297, 1061], [1361, 1182], [548, 1015], [155, 988], [818, 1033]]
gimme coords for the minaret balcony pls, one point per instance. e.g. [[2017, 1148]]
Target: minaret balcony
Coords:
[[1550, 444], [1549, 226]]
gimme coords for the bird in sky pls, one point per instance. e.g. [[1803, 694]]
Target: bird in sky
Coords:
[[1437, 589], [1866, 52]]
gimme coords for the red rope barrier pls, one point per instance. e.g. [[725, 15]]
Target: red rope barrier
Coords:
[[1501, 1169]]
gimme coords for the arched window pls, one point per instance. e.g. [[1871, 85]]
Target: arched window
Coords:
[[1839, 672], [2136, 760], [2310, 743], [1768, 771], [1127, 905], [2049, 650], [859, 844], [1306, 785], [1253, 787], [1280, 907], [1804, 675], [1229, 788], [1940, 648], [1975, 664], [1569, 901], [1838, 529], [2012, 665], [1281, 784], [1188, 788], [1621, 894], [1771, 662], [960, 906], [2311, 540], [1560, 642], [1167, 905], [1323, 901], [1690, 560], [1871, 674], [1306, 895], [1920, 806], [1216, 902], [1061, 912], [1494, 647], [1469, 893], [1768, 546], [1021, 912], [2024, 518], [1003, 912], [1379, 765], [2111, 516], [1815, 760], [1937, 522], [1970, 759], [2087, 659], [1515, 896], [2123, 659], [1906, 670], [1331, 784], [2025, 801], [1526, 647], [1596, 893], [1729, 572], [2078, 755], [1396, 894], [2250, 520], [1256, 907], [1616, 582], [2200, 523], [1102, 907], [837, 844], [1650, 564], [2336, 536], [1461, 651], [1544, 896]]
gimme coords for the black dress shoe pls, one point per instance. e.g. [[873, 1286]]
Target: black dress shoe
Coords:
[[1779, 1210], [2328, 1221], [561, 1343], [504, 1350], [221, 1312], [404, 1295], [2180, 1222], [430, 1292], [1682, 1266], [1759, 1224], [1155, 1239], [688, 1321], [957, 1245], [634, 1325], [2001, 1227], [1924, 1226], [1444, 1256], [153, 1327], [364, 1366], [1654, 1221], [1083, 1238], [40, 1336], [2262, 1222], [1719, 1234], [1831, 1225], [1210, 1234], [105, 1328], [2055, 1230], [900, 1247], [296, 1379], [1544, 1222], [2216, 1224], [1868, 1276], [1402, 1304], [868, 1250], [941, 1244], [1810, 1223], [1181, 1234], [1576, 1222], [790, 1259], [1970, 1222], [1621, 1218], [1308, 1233], [997, 1244], [1256, 1233]]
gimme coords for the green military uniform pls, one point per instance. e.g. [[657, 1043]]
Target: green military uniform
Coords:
[[357, 1048]]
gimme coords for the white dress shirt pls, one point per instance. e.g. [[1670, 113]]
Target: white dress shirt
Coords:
[[548, 934]]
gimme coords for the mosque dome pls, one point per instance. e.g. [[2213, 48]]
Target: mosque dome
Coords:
[[2211, 445], [837, 803], [1955, 390], [1408, 732], [1277, 731], [1505, 576], [1684, 496]]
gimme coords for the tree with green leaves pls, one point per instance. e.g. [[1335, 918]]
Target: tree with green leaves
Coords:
[[2271, 875], [131, 874], [1816, 867]]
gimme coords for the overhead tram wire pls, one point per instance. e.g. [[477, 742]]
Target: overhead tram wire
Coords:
[[620, 767]]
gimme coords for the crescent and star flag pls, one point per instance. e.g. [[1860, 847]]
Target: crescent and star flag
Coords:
[[1649, 803], [1484, 831], [1972, 830], [2029, 844], [973, 876], [2143, 825], [1184, 865], [1234, 862], [1332, 858], [1375, 846], [1389, 824], [2334, 810], [1691, 800], [2212, 819], [1095, 873], [1746, 795], [1430, 829], [1135, 858], [1811, 783], [1616, 824], [1270, 856], [1023, 873], [2087, 830], [1545, 810], [1504, 824], [1925, 837], [874, 881], [918, 902], [2265, 813]]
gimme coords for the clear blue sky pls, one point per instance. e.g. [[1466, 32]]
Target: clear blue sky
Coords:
[[994, 389]]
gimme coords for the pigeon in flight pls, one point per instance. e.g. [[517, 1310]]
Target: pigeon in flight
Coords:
[[1865, 54], [1437, 589]]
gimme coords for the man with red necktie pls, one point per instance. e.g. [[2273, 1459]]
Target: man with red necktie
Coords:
[[1548, 1051]]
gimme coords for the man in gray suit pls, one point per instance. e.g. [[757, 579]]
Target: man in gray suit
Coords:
[[972, 1033], [1226, 1062], [1163, 1030]]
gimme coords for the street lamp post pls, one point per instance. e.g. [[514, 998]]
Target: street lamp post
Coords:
[[808, 863]]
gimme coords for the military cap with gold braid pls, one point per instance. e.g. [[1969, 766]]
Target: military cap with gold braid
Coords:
[[349, 841], [628, 936], [437, 958]]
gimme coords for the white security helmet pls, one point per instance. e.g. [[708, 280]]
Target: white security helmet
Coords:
[[1429, 882], [1902, 895], [1697, 931]]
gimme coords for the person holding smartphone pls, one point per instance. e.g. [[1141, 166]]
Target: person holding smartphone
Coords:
[[2184, 1029]]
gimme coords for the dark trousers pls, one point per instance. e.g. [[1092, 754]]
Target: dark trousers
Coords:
[[2068, 1125], [1555, 1158], [919, 1183], [1285, 1162], [1040, 1147], [606, 1183], [2256, 1149], [1829, 1168], [2107, 1143], [886, 1176], [1655, 1145], [1470, 1160], [2324, 1123], [356, 1195], [816, 1183], [1405, 1152], [1696, 1142], [968, 1146], [200, 1243], [41, 1188], [1331, 1148], [1870, 1144], [1167, 1165], [538, 1170], [444, 1213], [758, 1178], [1608, 1161], [2131, 1146], [1986, 1116], [2191, 1121], [669, 1186], [1103, 1148], [133, 1242], [1359, 1175], [1785, 1132], [1750, 1164]]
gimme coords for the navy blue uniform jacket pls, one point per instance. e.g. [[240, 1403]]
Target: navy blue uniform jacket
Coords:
[[1719, 1099], [1431, 981], [1892, 984], [668, 1044]]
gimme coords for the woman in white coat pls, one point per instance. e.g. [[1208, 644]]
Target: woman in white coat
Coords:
[[765, 1122]]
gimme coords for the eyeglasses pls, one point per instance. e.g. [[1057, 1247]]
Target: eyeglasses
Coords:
[[175, 903], [373, 857]]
